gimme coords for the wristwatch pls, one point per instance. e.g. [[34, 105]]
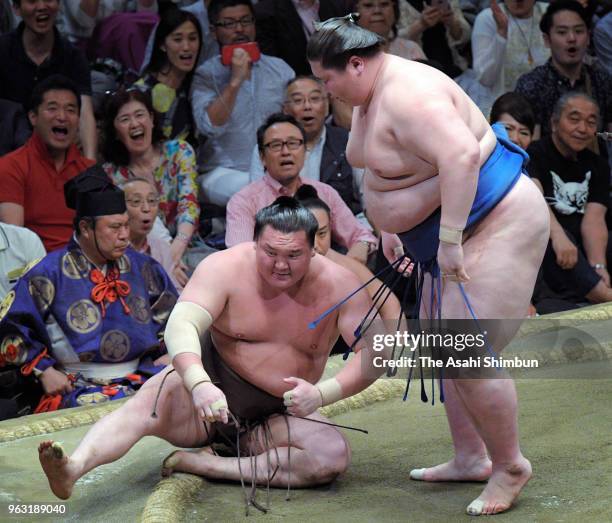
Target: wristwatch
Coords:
[[599, 266]]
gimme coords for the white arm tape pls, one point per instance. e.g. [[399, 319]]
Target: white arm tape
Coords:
[[194, 375], [330, 390], [185, 326], [450, 235]]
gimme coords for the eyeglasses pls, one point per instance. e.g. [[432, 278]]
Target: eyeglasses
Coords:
[[232, 23], [139, 116], [298, 101], [137, 202], [292, 144]]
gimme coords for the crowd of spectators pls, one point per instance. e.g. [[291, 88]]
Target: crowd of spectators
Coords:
[[203, 112]]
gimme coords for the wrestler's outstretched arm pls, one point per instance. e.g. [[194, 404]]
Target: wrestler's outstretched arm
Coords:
[[434, 131], [202, 300], [356, 375]]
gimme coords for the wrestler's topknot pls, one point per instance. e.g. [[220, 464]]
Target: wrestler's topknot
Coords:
[[337, 39], [308, 196], [286, 202], [286, 215]]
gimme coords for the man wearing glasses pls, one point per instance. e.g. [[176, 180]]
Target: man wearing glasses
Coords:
[[281, 142], [307, 100], [231, 101], [142, 201]]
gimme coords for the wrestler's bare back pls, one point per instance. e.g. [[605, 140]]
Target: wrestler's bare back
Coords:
[[262, 333], [403, 137]]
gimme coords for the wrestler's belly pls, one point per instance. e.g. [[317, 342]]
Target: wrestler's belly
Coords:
[[402, 209], [265, 365], [397, 204]]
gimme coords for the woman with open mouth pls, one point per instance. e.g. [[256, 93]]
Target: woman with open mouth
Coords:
[[176, 50], [380, 16], [134, 147]]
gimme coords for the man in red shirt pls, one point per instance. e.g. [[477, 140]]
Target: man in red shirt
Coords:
[[33, 176]]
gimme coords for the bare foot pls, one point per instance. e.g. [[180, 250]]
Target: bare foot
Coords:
[[179, 461], [477, 470], [502, 489], [57, 466], [171, 461]]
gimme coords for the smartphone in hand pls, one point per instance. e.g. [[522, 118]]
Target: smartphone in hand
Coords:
[[250, 47]]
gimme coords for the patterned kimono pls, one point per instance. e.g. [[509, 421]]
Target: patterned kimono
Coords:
[[175, 180], [66, 312]]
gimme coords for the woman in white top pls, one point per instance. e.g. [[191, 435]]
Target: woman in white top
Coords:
[[507, 42]]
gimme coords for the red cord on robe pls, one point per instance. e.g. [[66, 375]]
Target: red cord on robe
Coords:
[[109, 288]]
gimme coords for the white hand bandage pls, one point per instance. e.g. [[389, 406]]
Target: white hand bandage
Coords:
[[330, 390]]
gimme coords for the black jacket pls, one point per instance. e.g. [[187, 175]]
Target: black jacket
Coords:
[[14, 126], [335, 169], [280, 32]]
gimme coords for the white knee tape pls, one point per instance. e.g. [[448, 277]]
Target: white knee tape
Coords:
[[185, 326]]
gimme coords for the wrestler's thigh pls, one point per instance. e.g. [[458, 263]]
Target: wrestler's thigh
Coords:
[[176, 419], [324, 441], [502, 257]]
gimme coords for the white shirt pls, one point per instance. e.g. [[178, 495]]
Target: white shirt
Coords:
[[18, 248], [498, 62]]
